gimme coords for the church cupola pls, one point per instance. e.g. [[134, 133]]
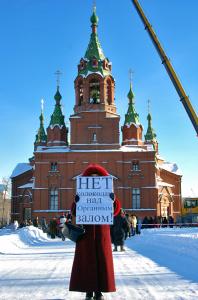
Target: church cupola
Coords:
[[41, 137], [150, 136], [57, 131], [132, 129], [94, 83]]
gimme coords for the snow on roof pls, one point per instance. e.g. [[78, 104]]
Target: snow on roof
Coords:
[[26, 186], [132, 123], [171, 167], [162, 183], [20, 169], [126, 148]]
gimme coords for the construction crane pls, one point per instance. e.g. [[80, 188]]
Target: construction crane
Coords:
[[166, 62]]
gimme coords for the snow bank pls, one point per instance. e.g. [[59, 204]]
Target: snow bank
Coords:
[[12, 241]]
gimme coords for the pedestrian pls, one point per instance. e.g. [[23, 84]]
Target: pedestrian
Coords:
[[119, 231], [129, 220], [36, 222], [44, 224], [170, 221], [53, 228], [133, 225], [62, 221], [92, 270], [15, 224], [138, 226]]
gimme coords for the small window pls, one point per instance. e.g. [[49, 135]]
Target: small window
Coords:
[[82, 64], [135, 165], [135, 198], [80, 90], [53, 166], [54, 199], [94, 138], [94, 63]]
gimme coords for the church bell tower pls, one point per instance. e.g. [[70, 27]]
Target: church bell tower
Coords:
[[95, 122]]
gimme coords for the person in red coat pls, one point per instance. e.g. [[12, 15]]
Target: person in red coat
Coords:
[[92, 270]]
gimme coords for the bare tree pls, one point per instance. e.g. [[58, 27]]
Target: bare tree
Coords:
[[6, 188]]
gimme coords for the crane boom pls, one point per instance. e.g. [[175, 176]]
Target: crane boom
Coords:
[[166, 62]]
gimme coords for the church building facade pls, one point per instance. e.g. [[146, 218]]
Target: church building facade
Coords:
[[146, 184]]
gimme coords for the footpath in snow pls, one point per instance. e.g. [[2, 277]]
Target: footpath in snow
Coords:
[[158, 264]]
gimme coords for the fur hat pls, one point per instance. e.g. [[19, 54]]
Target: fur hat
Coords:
[[95, 169]]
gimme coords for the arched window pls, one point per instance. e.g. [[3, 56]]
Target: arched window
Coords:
[[94, 91], [80, 92], [109, 92], [54, 199]]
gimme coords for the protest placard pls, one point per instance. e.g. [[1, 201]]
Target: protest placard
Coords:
[[95, 205]]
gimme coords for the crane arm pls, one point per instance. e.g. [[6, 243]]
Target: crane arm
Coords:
[[166, 62]]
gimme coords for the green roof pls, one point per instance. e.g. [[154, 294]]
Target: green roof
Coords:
[[131, 116], [57, 118], [41, 136], [150, 134], [94, 52]]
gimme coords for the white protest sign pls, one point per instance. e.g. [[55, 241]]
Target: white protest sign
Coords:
[[95, 205]]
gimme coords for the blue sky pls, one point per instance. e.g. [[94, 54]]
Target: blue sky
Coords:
[[40, 36]]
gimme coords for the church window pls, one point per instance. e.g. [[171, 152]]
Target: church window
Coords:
[[82, 64], [109, 92], [135, 165], [54, 199], [105, 64], [94, 91], [135, 198], [53, 166], [94, 138], [94, 63], [80, 92]]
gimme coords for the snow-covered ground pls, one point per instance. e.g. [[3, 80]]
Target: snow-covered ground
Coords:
[[158, 264]]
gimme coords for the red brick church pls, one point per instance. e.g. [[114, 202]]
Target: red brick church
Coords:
[[145, 184]]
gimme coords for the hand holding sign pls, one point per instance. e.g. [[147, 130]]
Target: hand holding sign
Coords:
[[77, 198], [112, 196]]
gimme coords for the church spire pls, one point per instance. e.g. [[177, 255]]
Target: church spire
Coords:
[[131, 116], [57, 118], [57, 131], [94, 59], [132, 129], [41, 137], [150, 134]]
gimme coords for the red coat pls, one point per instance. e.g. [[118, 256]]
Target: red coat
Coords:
[[92, 269], [93, 262]]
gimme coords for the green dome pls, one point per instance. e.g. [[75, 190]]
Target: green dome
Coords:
[[150, 134], [94, 18], [57, 96]]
